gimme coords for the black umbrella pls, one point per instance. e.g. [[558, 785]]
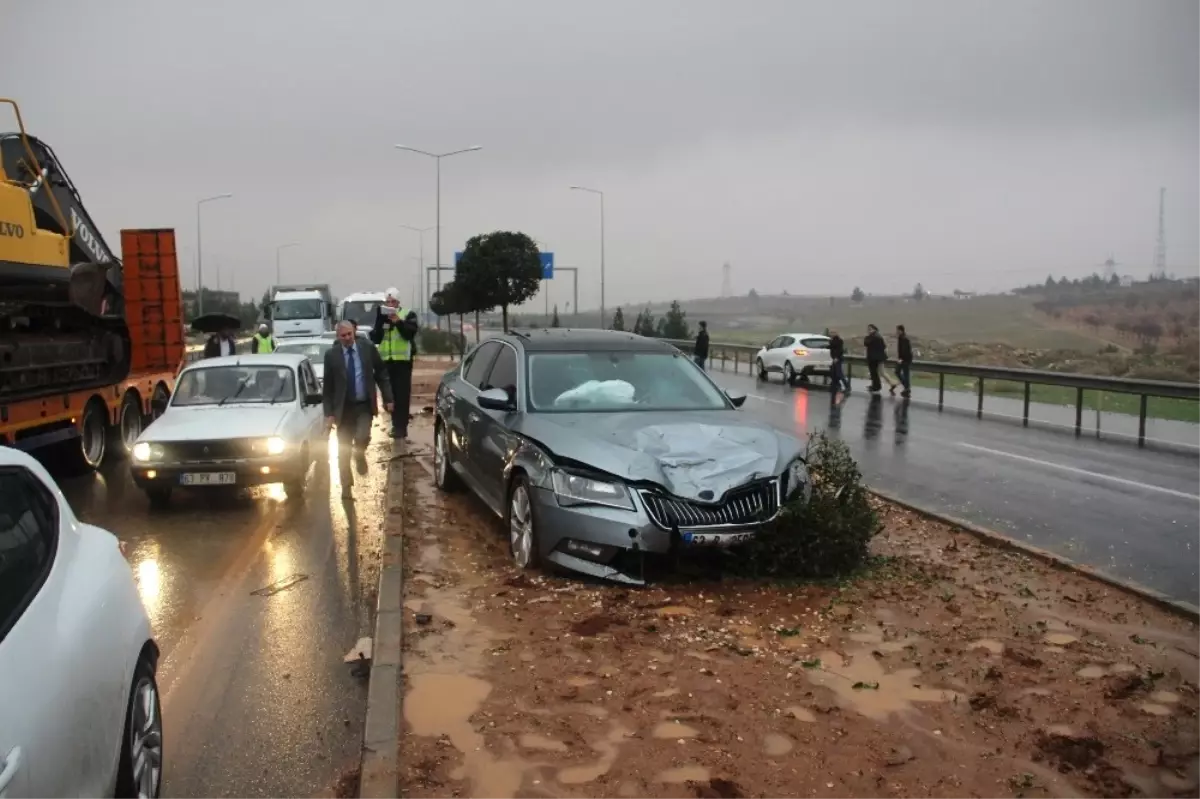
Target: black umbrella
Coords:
[[215, 323]]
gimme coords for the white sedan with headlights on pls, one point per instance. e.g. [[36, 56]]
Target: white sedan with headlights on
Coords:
[[79, 705], [235, 421]]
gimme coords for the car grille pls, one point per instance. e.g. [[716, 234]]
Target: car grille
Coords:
[[190, 451], [748, 505]]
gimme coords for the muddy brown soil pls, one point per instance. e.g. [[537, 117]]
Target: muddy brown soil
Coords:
[[949, 669]]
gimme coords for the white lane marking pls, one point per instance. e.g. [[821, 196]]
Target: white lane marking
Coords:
[[1085, 472]]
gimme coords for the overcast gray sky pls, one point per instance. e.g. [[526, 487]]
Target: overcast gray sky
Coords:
[[814, 146]]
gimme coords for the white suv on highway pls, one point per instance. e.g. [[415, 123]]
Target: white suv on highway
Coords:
[[796, 356], [79, 707]]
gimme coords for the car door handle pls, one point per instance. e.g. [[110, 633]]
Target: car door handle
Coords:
[[12, 762]]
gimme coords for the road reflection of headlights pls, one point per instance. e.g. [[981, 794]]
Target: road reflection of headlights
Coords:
[[276, 445], [572, 489]]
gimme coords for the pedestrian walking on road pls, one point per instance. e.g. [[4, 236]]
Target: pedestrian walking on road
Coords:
[[701, 349], [264, 342], [876, 356], [354, 372], [222, 343], [837, 362], [395, 333], [904, 355]]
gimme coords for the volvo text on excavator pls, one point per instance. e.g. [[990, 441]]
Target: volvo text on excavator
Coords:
[[62, 325]]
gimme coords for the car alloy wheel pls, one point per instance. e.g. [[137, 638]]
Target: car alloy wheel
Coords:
[[444, 474], [142, 752], [520, 527], [789, 374], [762, 370]]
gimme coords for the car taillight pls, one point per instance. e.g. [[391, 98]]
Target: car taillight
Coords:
[[800, 352]]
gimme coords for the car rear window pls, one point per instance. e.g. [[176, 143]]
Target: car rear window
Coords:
[[815, 343]]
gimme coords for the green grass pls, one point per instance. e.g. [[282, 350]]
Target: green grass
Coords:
[[1107, 401]]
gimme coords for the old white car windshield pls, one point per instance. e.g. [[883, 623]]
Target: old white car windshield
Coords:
[[619, 381], [361, 312], [222, 385]]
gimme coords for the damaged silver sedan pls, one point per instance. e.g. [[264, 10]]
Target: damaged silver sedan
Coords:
[[598, 448]]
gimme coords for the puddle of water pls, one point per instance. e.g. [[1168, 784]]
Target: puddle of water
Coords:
[[580, 682], [664, 693], [608, 747], [1164, 697], [802, 713], [673, 729], [1091, 672], [776, 745], [1154, 709], [683, 774], [1122, 668], [879, 693], [874, 636], [531, 740], [1060, 639], [676, 610], [1060, 729], [995, 647]]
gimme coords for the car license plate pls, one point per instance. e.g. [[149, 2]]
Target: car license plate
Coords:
[[209, 479], [716, 539]]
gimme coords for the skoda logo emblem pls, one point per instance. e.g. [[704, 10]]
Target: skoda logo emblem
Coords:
[[206, 450]]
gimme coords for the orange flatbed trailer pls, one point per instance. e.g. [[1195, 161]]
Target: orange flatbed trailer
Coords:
[[105, 421]]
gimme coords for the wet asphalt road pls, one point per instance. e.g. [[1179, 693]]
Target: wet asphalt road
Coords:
[[256, 698], [1131, 513]]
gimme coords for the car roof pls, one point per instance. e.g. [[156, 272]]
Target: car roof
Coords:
[[301, 340], [804, 335], [365, 296], [291, 359], [563, 339]]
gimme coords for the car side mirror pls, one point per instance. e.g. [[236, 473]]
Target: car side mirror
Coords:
[[738, 398], [495, 399], [313, 399]]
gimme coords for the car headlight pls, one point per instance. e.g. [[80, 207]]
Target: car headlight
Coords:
[[795, 479], [573, 489], [141, 451], [276, 445]]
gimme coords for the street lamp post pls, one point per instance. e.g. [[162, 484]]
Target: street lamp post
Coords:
[[438, 216], [420, 231], [278, 250], [199, 258], [603, 318]]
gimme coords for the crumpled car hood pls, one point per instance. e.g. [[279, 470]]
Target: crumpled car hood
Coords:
[[689, 454]]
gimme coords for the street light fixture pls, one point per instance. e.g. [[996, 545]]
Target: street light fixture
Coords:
[[438, 218], [420, 231], [278, 250], [603, 318], [199, 258]]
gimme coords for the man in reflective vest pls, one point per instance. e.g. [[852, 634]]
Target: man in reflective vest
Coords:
[[263, 343], [395, 334]]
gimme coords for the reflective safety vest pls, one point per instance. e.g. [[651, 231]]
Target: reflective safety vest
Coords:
[[266, 344], [394, 346]]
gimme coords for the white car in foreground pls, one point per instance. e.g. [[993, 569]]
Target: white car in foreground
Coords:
[[796, 356], [79, 706], [233, 422]]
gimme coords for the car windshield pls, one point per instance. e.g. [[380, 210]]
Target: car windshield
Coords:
[[310, 349], [619, 381], [360, 312], [284, 310], [222, 385]]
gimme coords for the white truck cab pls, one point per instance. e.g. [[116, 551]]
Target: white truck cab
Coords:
[[300, 311], [361, 307]]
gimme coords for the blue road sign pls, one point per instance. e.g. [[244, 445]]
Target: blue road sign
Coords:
[[547, 264]]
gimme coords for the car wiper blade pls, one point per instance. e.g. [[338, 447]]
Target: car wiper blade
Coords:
[[278, 391], [234, 395]]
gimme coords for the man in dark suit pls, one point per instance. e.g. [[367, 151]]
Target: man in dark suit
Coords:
[[353, 373]]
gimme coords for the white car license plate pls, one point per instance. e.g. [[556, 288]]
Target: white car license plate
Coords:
[[716, 539], [208, 479]]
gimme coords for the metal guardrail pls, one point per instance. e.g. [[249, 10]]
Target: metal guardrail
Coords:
[[1143, 389]]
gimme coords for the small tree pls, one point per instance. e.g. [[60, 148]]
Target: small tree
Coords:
[[674, 324], [618, 320], [554, 322], [644, 326], [857, 295], [504, 267]]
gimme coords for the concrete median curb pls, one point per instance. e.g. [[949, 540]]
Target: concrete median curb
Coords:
[[380, 767], [1000, 540]]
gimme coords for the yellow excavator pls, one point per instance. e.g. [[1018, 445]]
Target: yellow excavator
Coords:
[[62, 314]]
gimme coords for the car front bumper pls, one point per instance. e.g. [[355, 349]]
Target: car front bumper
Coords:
[[599, 541], [246, 472]]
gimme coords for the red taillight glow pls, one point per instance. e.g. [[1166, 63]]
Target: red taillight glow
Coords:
[[800, 352]]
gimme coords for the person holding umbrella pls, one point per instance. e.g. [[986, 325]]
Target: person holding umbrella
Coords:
[[222, 329]]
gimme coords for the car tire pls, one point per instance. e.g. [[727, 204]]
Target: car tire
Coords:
[[521, 523], [789, 374], [129, 426], [159, 496], [139, 771], [295, 488], [443, 472], [762, 370]]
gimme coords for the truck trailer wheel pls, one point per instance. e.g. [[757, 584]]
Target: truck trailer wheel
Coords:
[[128, 427], [86, 452]]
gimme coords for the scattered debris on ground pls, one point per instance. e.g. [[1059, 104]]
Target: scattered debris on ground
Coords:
[[950, 668]]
